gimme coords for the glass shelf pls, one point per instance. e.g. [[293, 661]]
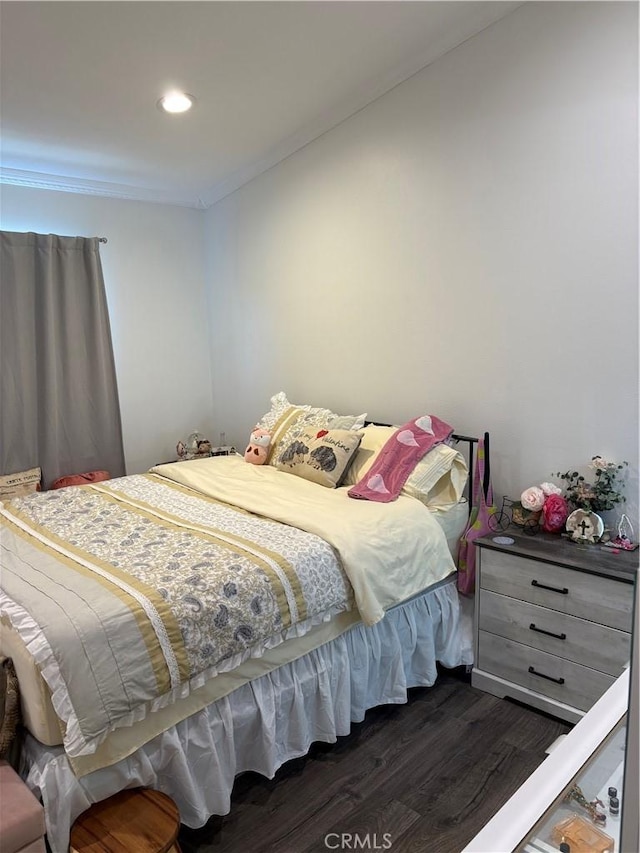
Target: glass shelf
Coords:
[[570, 822]]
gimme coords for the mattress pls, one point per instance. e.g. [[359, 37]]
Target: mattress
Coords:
[[44, 724]]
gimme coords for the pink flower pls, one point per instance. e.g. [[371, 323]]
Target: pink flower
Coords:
[[554, 514], [532, 498]]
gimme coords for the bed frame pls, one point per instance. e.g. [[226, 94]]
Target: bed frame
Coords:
[[347, 706], [487, 462]]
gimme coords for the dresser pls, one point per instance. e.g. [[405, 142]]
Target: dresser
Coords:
[[553, 620]]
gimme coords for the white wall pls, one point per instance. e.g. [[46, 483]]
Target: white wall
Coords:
[[154, 276], [466, 245]]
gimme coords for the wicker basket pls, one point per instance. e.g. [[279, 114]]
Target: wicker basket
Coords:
[[521, 516], [9, 707]]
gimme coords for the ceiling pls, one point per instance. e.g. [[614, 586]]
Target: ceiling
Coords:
[[79, 82]]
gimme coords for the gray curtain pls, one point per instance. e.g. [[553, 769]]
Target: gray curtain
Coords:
[[59, 404]]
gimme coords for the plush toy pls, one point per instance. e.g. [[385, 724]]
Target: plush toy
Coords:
[[258, 447]]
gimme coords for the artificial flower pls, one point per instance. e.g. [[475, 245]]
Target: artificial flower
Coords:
[[554, 513], [603, 493], [532, 498], [599, 463], [550, 489]]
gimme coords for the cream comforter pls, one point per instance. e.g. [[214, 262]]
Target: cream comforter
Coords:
[[389, 551], [92, 579]]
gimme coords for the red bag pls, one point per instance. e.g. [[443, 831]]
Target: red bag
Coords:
[[80, 479], [477, 526]]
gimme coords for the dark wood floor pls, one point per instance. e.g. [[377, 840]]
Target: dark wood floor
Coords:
[[429, 773]]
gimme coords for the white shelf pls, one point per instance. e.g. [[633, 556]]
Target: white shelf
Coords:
[[508, 828]]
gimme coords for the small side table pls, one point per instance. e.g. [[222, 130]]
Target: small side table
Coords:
[[225, 450], [553, 620], [138, 820]]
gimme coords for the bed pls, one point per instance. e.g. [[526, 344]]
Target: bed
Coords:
[[176, 628]]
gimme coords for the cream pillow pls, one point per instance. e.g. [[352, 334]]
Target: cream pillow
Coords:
[[439, 478], [373, 440], [321, 456]]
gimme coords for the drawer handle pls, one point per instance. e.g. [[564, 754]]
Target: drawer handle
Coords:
[[562, 636], [548, 677], [563, 591]]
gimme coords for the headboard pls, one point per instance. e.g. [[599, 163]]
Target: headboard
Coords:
[[471, 442]]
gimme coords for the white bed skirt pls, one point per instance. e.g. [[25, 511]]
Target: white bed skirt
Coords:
[[269, 721]]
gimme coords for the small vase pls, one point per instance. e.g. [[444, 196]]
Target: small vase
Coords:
[[610, 521], [608, 516]]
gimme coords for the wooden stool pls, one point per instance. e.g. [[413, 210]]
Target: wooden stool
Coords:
[[138, 820]]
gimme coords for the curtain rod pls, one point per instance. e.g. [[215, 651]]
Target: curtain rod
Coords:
[[102, 240]]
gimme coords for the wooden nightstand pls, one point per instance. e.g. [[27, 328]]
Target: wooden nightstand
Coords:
[[553, 620]]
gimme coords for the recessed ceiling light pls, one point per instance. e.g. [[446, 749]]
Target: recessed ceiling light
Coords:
[[176, 102]]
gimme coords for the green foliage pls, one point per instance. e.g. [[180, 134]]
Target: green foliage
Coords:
[[603, 493]]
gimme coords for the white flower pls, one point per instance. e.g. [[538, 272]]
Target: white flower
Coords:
[[532, 498], [550, 489], [599, 463]]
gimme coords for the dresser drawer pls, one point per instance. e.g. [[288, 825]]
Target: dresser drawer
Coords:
[[588, 643], [575, 685], [577, 593]]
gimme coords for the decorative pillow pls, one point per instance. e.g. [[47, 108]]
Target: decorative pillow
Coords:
[[20, 483], [287, 421], [80, 479], [321, 456]]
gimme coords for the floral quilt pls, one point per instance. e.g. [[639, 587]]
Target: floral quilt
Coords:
[[131, 592]]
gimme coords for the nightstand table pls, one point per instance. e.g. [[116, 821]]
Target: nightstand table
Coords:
[[224, 450], [553, 620]]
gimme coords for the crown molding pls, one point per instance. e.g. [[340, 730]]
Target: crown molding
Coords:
[[103, 189]]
